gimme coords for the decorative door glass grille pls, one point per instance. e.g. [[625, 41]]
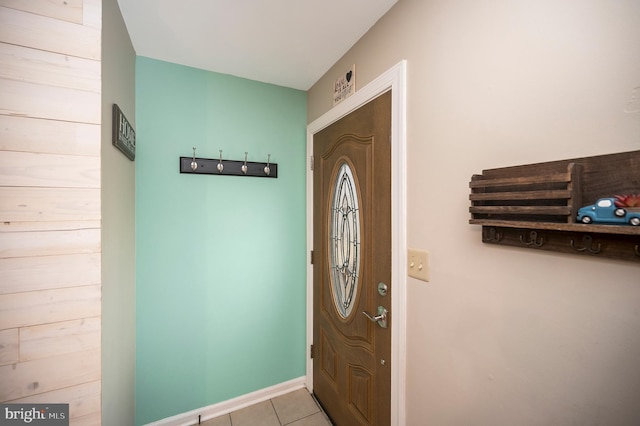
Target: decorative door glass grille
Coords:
[[344, 242]]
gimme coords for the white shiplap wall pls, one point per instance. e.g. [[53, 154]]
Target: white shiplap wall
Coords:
[[50, 244]]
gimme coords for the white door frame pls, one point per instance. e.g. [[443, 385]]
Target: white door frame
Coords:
[[394, 79]]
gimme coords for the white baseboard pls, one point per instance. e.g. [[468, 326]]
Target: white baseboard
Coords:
[[225, 407]]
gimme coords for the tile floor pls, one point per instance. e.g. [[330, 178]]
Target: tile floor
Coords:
[[297, 408]]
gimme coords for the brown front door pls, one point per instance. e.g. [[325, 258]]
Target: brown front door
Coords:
[[352, 250]]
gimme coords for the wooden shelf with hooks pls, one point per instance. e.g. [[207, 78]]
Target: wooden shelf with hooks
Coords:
[[535, 205]]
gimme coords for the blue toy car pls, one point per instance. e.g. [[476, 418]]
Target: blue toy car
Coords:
[[606, 211]]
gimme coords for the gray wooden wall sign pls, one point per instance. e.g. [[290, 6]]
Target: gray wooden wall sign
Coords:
[[123, 135]]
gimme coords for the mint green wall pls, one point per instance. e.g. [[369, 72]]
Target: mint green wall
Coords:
[[220, 260]]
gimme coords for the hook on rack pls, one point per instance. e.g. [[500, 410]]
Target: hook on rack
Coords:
[[267, 169], [244, 167], [587, 245], [491, 235], [220, 167], [194, 164], [533, 239]]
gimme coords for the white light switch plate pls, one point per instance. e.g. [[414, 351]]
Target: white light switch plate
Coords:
[[418, 266]]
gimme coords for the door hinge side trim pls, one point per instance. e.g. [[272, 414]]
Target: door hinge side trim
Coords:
[[311, 353], [311, 163], [311, 257]]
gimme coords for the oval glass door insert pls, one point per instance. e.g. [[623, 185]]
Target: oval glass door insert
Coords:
[[344, 242]]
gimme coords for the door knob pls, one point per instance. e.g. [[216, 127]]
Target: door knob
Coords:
[[381, 318]]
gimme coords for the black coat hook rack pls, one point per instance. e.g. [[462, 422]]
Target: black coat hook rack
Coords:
[[220, 166]]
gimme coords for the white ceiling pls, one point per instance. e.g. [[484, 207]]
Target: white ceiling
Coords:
[[290, 43]]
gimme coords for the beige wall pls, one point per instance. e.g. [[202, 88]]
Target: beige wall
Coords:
[[505, 336], [50, 265], [118, 227]]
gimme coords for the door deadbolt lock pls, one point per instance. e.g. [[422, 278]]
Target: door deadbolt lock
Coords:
[[383, 289]]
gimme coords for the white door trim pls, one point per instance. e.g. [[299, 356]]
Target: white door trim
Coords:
[[394, 79]]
